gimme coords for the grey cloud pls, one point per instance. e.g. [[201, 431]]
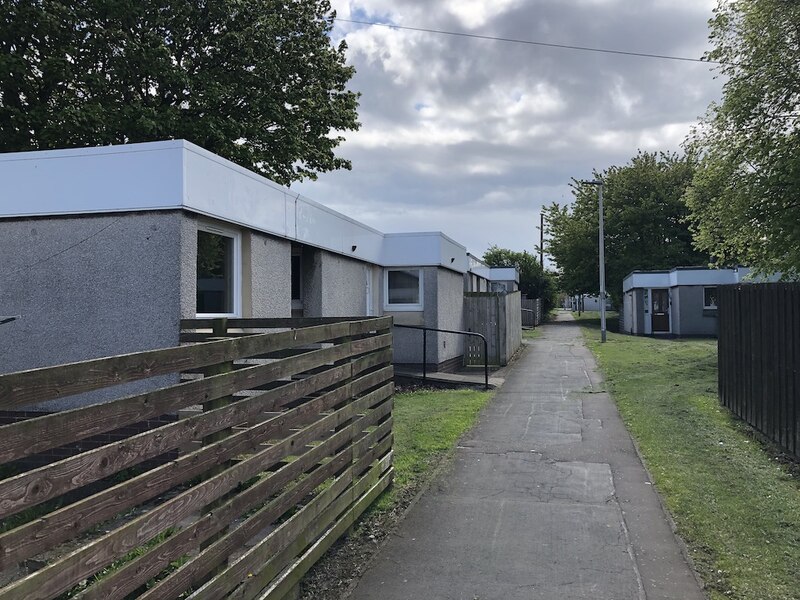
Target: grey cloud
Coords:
[[420, 181]]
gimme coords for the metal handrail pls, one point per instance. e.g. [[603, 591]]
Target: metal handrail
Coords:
[[425, 331]]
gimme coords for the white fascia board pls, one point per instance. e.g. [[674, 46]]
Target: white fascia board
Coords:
[[645, 279], [702, 277], [219, 188], [176, 174], [92, 180], [423, 249], [503, 274]]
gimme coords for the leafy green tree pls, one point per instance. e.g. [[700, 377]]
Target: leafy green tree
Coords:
[[644, 224], [534, 281], [256, 81], [745, 197]]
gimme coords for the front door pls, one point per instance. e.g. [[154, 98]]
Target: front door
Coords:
[[660, 312]]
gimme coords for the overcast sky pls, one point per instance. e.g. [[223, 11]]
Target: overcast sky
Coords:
[[471, 137]]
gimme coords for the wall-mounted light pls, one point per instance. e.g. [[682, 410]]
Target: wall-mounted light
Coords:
[[353, 248]]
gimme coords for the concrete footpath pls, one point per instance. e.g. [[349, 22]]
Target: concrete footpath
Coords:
[[546, 499]]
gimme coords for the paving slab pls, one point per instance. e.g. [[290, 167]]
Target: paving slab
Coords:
[[546, 499]]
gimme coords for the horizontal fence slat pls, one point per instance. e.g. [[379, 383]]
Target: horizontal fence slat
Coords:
[[19, 439], [60, 576], [281, 588], [48, 383], [27, 540], [299, 446]]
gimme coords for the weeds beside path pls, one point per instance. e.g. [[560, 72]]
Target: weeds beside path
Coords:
[[735, 505], [427, 425]]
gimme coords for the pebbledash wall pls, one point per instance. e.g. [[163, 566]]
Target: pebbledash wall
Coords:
[[99, 251]]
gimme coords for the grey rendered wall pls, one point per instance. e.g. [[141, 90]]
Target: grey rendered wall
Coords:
[[270, 272], [449, 314], [675, 310], [694, 320], [336, 286], [89, 286], [344, 289]]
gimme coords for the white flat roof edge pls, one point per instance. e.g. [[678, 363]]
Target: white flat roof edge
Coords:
[[13, 204]]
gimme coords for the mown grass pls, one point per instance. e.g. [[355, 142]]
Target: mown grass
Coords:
[[531, 334], [735, 505], [427, 425]]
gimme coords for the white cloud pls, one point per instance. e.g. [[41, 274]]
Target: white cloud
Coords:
[[472, 137]]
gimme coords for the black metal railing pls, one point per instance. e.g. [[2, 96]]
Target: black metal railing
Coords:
[[425, 331]]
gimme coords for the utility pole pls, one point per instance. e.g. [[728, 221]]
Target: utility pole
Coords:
[[601, 242], [541, 240]]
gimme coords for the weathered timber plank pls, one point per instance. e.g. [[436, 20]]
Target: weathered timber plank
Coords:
[[192, 572], [287, 322], [136, 573], [38, 535], [269, 323], [39, 485], [293, 574], [22, 439], [219, 586], [252, 586], [61, 575], [48, 383], [325, 506]]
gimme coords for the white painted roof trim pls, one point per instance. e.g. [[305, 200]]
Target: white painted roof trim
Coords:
[[683, 276], [177, 174]]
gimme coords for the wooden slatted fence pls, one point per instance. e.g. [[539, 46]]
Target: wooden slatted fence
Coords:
[[294, 441], [759, 358]]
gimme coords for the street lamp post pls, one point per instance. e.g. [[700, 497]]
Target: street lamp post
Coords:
[[601, 241]]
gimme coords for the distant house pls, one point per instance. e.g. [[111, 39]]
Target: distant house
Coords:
[[106, 249], [483, 278], [587, 302], [679, 302]]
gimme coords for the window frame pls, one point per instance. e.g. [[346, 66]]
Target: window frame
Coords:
[[706, 306], [419, 306], [236, 282]]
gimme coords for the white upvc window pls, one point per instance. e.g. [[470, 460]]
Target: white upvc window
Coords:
[[219, 271], [403, 289], [710, 297]]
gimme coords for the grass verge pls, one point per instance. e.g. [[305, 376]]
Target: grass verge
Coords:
[[427, 425], [735, 505]]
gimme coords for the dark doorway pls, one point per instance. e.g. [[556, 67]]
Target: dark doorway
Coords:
[[660, 311]]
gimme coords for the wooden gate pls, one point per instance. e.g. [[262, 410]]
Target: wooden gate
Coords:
[[498, 317]]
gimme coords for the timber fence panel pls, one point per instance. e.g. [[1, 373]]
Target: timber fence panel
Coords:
[[759, 358], [295, 441]]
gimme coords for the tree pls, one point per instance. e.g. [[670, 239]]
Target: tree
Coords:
[[256, 81], [534, 281], [745, 198], [644, 224]]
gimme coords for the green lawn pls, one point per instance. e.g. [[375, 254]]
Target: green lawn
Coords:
[[735, 505], [427, 425]]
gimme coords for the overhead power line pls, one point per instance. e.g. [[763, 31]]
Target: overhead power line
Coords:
[[531, 42]]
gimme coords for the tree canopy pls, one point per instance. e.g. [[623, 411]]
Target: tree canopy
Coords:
[[534, 281], [644, 224], [256, 81], [745, 198]]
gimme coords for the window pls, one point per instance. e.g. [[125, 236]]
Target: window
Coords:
[[710, 298], [218, 271], [403, 289]]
